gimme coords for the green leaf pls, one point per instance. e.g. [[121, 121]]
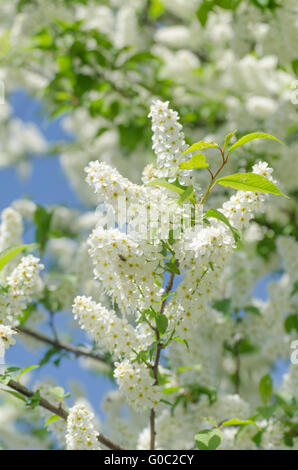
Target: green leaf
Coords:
[[10, 253], [228, 138], [223, 306], [34, 400], [196, 367], [170, 390], [266, 388], [188, 193], [42, 220], [51, 420], [291, 322], [200, 146], [165, 184], [24, 371], [161, 323], [203, 11], [220, 216], [9, 370], [244, 346], [15, 394], [238, 422], [156, 9], [252, 310], [64, 63], [250, 182], [295, 66], [209, 439], [197, 161], [295, 289], [253, 136], [172, 267]]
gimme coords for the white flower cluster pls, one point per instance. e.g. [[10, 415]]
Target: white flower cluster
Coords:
[[168, 140], [113, 333], [11, 228], [23, 284], [57, 427], [6, 339], [137, 385], [81, 433], [119, 264]]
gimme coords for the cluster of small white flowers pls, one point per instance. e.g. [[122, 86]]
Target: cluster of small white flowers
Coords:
[[122, 430], [81, 433], [108, 330], [168, 140], [119, 263], [58, 427], [273, 436], [6, 339], [110, 184], [23, 284], [11, 228], [137, 385]]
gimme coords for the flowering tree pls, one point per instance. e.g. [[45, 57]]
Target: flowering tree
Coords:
[[160, 274]]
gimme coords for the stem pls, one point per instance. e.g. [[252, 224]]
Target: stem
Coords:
[[58, 410], [156, 362], [213, 176], [60, 345], [237, 372]]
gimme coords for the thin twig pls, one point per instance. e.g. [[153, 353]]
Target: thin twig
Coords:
[[58, 410], [156, 362], [77, 351]]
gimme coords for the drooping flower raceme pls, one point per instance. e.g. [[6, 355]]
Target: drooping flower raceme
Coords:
[[23, 284], [81, 433], [6, 339]]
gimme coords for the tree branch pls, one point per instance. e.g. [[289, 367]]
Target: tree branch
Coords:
[[156, 362], [77, 351], [57, 410]]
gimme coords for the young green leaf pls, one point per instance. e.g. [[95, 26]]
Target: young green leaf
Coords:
[[266, 387], [161, 323], [228, 138], [250, 182], [197, 161], [220, 216], [15, 394], [24, 371], [209, 439], [253, 136], [188, 193], [10, 253], [170, 390], [223, 306], [165, 184], [51, 420], [200, 146], [238, 422]]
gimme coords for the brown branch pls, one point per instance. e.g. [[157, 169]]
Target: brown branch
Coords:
[[58, 410], [77, 351], [157, 359]]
